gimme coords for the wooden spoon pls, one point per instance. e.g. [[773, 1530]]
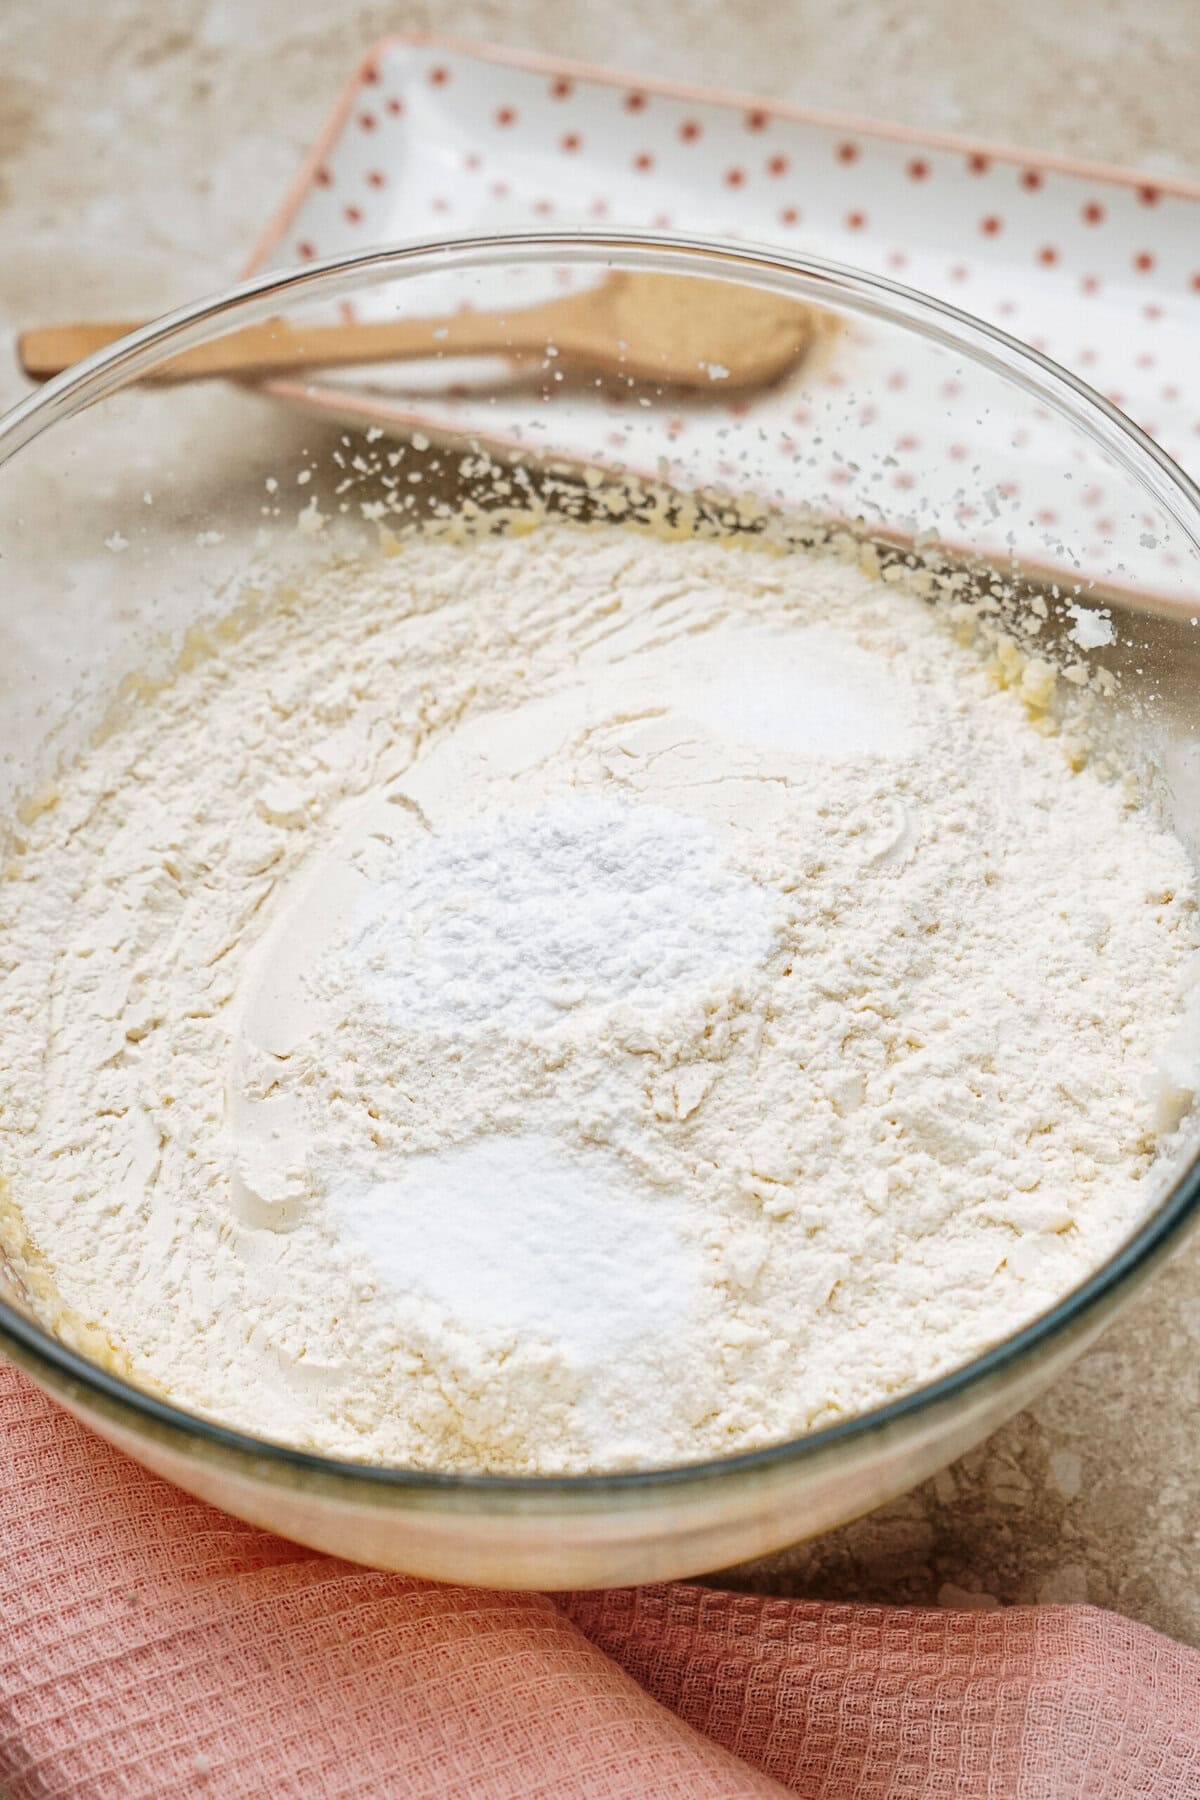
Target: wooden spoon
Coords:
[[680, 329]]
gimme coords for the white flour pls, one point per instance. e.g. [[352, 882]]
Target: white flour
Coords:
[[578, 1001]]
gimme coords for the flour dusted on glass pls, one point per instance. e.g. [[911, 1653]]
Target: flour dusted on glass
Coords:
[[578, 1002]]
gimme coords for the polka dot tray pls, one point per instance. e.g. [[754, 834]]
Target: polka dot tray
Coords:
[[1098, 268]]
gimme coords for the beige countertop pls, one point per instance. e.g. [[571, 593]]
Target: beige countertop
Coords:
[[138, 175]]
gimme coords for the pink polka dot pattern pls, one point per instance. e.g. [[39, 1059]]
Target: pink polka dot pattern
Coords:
[[1102, 273]]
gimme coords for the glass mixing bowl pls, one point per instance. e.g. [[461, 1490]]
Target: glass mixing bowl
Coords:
[[134, 507]]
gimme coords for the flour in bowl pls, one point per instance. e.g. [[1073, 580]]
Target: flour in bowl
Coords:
[[579, 1002]]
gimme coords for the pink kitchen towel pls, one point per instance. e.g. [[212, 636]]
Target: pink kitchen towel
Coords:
[[151, 1646]]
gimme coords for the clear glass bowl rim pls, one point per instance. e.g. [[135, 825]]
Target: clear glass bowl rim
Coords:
[[812, 278]]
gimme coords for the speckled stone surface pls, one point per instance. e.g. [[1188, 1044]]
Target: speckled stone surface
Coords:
[[137, 175]]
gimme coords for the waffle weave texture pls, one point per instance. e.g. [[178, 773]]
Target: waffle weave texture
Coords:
[[151, 1646]]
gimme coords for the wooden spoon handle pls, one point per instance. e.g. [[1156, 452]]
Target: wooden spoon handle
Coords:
[[48, 349], [277, 347]]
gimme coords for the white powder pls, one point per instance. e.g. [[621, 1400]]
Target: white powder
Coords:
[[508, 1234], [609, 1002], [523, 916], [1093, 628], [814, 693], [511, 1241]]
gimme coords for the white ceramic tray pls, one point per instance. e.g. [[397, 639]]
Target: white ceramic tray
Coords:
[[1098, 268]]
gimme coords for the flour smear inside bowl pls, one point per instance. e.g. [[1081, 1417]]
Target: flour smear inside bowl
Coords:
[[576, 1001]]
